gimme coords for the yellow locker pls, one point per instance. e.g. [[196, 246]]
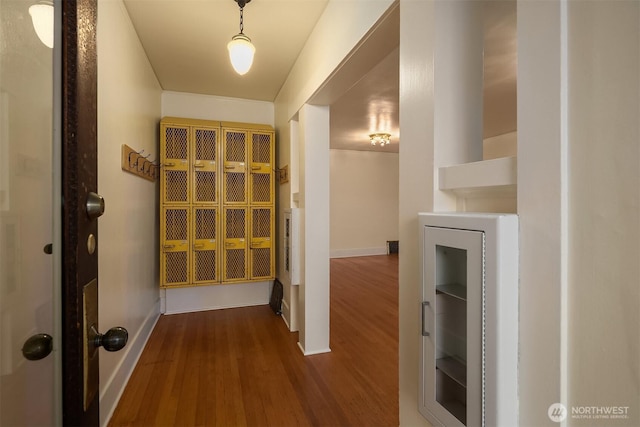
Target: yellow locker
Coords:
[[174, 247], [235, 244], [235, 169], [174, 148], [204, 162], [262, 254], [205, 260], [217, 202], [262, 168]]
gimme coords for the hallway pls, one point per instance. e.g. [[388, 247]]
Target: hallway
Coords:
[[242, 367]]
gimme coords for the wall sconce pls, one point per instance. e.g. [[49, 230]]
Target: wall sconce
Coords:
[[380, 138], [241, 50], [42, 19]]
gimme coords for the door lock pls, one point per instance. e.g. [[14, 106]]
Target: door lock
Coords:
[[95, 205]]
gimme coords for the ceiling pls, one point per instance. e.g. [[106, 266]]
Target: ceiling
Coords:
[[185, 41]]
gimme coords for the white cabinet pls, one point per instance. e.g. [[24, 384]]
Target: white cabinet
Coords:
[[469, 349]]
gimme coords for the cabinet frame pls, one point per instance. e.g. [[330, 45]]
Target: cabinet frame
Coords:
[[500, 310]]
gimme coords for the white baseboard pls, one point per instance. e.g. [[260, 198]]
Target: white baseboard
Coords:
[[117, 382], [346, 253], [310, 353], [216, 297]]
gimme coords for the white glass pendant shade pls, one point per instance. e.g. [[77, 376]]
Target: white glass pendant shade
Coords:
[[241, 53], [42, 18]]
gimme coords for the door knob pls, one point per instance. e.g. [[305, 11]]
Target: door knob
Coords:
[[37, 347], [113, 340], [95, 205]]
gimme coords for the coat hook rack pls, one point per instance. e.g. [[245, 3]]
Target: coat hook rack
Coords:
[[134, 162]]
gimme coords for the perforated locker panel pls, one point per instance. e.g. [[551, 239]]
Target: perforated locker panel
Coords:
[[205, 246], [205, 171], [235, 170], [174, 248], [174, 149], [262, 253], [235, 244], [261, 168]]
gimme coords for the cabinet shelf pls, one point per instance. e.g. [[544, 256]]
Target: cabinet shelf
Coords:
[[454, 369], [454, 290]]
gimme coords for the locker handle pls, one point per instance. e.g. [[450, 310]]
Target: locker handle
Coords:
[[228, 166], [255, 168], [229, 245], [170, 164], [425, 304], [198, 246], [198, 165], [169, 246]]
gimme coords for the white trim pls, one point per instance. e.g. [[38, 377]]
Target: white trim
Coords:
[[216, 297], [311, 353], [213, 307], [346, 253], [118, 380]]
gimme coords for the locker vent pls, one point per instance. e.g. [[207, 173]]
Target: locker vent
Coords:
[[176, 267], [205, 144], [235, 148], [235, 264], [261, 223], [261, 264], [176, 143], [205, 186], [261, 191], [205, 224], [261, 148], [205, 266], [235, 224], [175, 186], [235, 187], [175, 224]]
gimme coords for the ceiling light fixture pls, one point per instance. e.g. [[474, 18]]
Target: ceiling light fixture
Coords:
[[42, 19], [380, 138], [240, 48]]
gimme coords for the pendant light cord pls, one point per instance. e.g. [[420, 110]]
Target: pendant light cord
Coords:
[[241, 21]]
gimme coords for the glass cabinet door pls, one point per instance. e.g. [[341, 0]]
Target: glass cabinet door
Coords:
[[453, 325]]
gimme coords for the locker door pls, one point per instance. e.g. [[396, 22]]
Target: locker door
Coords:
[[205, 174], [174, 248], [261, 162], [205, 245], [262, 257], [235, 170], [174, 183], [235, 244]]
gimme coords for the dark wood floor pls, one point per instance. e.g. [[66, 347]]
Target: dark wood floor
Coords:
[[242, 367]]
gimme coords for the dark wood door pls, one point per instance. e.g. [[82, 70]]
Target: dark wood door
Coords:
[[79, 178]]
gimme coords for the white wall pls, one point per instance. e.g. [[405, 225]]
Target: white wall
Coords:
[[129, 97], [604, 208], [340, 28], [363, 202], [207, 107]]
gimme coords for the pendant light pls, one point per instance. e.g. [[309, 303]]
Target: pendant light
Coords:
[[240, 48], [42, 19]]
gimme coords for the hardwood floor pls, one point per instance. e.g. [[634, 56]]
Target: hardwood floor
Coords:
[[242, 367]]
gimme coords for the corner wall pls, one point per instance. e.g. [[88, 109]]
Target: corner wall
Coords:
[[128, 113]]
